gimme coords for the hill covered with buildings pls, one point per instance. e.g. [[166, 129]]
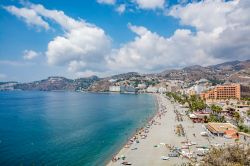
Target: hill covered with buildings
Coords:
[[172, 80]]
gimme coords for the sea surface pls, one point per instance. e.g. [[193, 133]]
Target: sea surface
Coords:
[[68, 128]]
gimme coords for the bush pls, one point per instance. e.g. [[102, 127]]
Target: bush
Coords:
[[227, 156]]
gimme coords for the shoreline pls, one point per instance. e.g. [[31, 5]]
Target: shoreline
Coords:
[[156, 101], [146, 121], [168, 132]]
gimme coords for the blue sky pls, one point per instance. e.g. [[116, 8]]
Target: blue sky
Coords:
[[114, 36]]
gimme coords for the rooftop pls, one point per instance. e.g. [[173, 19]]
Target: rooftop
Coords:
[[220, 127]]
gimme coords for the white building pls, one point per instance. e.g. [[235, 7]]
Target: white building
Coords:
[[112, 80], [162, 90], [152, 89], [122, 89], [115, 88], [142, 86]]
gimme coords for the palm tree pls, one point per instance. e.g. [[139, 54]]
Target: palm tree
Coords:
[[216, 109], [205, 119], [236, 116], [248, 112]]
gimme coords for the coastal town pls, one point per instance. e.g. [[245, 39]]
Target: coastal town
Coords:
[[196, 115], [190, 121], [188, 124], [125, 82]]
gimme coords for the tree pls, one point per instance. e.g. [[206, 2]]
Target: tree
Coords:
[[205, 119], [236, 116], [195, 103], [228, 156], [216, 109]]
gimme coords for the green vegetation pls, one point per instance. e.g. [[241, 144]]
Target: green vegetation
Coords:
[[246, 99], [215, 115], [248, 112], [236, 155], [152, 82], [216, 109], [216, 82], [236, 116], [216, 118], [244, 128], [177, 97], [195, 103]]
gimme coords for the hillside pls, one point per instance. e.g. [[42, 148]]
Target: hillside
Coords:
[[58, 83], [235, 71]]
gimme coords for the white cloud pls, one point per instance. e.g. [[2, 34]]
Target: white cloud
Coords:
[[152, 52], [59, 17], [221, 33], [29, 16], [87, 73], [81, 42], [109, 2], [29, 54], [204, 15], [121, 8], [226, 22], [150, 4]]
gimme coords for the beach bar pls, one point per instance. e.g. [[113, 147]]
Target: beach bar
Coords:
[[222, 129]]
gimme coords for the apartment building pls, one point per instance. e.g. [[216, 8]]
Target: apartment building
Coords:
[[222, 92]]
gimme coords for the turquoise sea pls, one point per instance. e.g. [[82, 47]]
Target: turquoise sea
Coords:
[[67, 128]]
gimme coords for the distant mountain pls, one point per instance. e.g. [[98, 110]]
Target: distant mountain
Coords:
[[7, 85], [58, 83], [235, 71], [126, 75], [233, 65], [195, 67]]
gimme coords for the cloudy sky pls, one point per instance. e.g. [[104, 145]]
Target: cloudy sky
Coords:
[[78, 38]]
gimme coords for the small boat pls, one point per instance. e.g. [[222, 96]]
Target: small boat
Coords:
[[188, 144], [204, 134], [184, 147], [202, 147], [173, 155], [193, 143], [165, 158], [126, 163]]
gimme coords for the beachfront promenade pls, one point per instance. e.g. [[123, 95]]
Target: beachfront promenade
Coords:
[[155, 140]]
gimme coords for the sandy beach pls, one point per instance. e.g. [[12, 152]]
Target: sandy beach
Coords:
[[155, 141]]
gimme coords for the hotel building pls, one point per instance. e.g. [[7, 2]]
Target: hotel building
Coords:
[[222, 92]]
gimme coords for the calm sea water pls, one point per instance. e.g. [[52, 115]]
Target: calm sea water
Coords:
[[67, 128]]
